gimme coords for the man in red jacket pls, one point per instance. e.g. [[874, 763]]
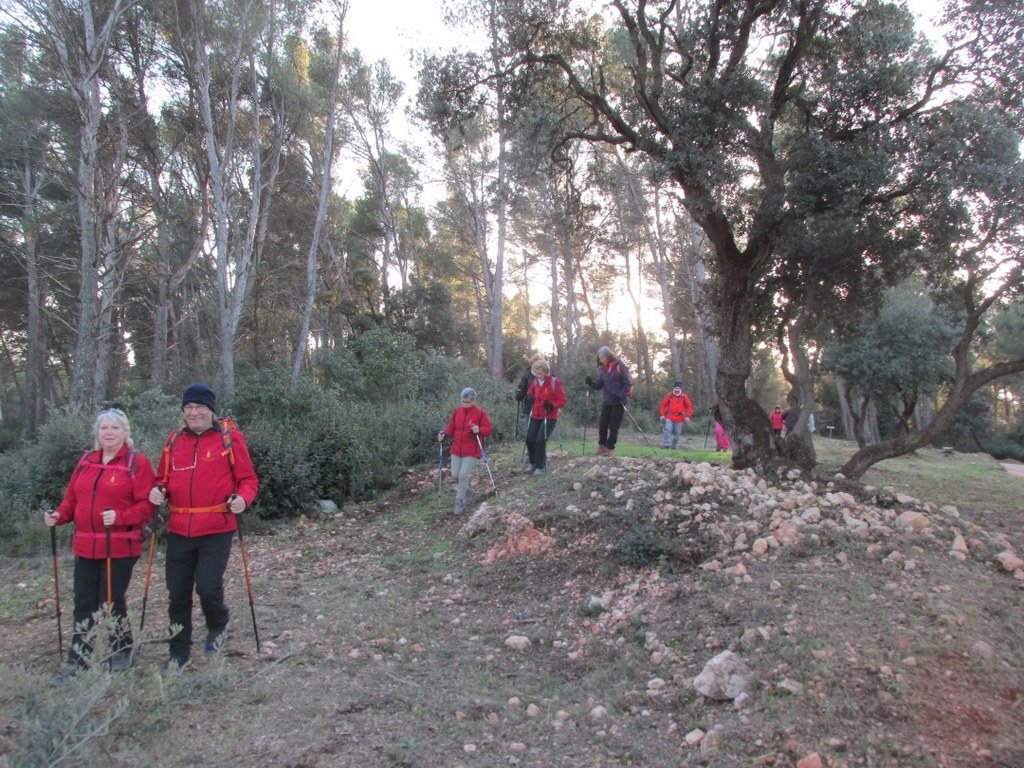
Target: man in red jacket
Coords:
[[206, 476], [676, 410]]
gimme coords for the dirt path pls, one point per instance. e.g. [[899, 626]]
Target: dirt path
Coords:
[[1017, 470]]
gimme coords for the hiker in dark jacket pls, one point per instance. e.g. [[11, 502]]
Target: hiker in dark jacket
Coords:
[[614, 382], [109, 487]]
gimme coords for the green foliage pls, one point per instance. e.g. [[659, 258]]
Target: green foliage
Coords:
[[904, 350]]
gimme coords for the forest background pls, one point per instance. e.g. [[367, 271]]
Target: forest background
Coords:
[[806, 203]]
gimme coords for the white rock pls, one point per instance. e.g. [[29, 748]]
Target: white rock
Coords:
[[598, 713], [790, 686], [914, 521], [694, 737], [1009, 561], [517, 642], [724, 677]]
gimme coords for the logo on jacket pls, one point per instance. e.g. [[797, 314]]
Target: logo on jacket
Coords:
[[112, 480], [208, 455]]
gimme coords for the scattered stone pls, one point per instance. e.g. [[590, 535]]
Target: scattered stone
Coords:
[[532, 710], [517, 642], [790, 686], [983, 650], [521, 539], [694, 737], [327, 507], [812, 760], [914, 521], [724, 677], [598, 713], [1009, 561]]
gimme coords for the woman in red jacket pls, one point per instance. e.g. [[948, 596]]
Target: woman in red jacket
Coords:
[[548, 397], [469, 424], [109, 488]]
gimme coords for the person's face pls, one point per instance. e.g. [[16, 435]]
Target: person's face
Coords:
[[199, 418], [677, 390], [111, 435], [540, 373], [604, 359], [467, 402]]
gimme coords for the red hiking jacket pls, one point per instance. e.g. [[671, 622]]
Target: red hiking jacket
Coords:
[[463, 442], [676, 408], [551, 391], [198, 476], [122, 485]]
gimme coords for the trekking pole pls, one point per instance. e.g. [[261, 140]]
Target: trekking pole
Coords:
[[707, 432], [56, 588], [110, 589], [519, 412], [487, 463], [440, 461], [153, 525], [149, 571], [654, 451], [248, 581], [586, 418]]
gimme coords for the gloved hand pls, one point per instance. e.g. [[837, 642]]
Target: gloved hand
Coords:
[[548, 407], [589, 381], [520, 394], [440, 437], [474, 429]]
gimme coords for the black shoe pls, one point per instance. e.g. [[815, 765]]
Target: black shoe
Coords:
[[62, 677], [175, 664], [216, 642], [121, 660]]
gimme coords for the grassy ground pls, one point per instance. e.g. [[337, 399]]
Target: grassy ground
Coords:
[[384, 637]]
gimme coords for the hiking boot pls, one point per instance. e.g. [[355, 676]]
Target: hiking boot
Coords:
[[121, 660], [175, 664], [62, 677], [538, 472], [529, 469], [459, 507], [609, 452], [216, 642]]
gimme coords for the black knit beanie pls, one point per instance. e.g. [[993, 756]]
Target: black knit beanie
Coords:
[[200, 394]]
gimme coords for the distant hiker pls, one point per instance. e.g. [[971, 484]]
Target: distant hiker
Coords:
[[522, 391], [108, 489], [790, 417], [548, 397], [468, 421], [524, 386], [778, 421], [613, 379], [721, 438], [207, 478], [676, 409]]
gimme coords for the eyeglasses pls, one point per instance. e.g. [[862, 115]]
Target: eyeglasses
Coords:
[[194, 408]]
